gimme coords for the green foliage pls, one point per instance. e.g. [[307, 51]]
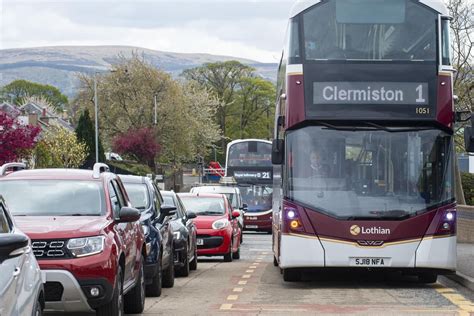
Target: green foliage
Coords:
[[130, 167], [126, 102], [85, 133], [246, 101], [59, 148], [19, 89], [467, 180]]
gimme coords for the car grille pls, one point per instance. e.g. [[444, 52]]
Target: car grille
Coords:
[[50, 249], [53, 291]]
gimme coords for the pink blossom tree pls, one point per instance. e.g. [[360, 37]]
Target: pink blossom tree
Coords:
[[15, 140], [139, 144]]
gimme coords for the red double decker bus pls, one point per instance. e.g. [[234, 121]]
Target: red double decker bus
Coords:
[[363, 148]]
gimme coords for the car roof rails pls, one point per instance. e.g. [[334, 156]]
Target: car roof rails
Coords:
[[99, 168], [13, 165]]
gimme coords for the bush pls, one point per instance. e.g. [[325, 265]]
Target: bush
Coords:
[[128, 167], [468, 187]]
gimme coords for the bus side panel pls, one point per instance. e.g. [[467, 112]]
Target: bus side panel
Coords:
[[342, 254], [299, 252], [439, 253]]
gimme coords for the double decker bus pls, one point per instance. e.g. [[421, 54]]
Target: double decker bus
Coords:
[[249, 161], [363, 145]]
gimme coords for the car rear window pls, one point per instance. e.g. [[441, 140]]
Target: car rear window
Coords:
[[168, 200], [54, 197], [204, 205], [138, 194]]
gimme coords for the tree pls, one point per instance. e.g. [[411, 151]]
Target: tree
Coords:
[[223, 79], [60, 148], [17, 90], [16, 141], [246, 101], [85, 133], [139, 144], [126, 103]]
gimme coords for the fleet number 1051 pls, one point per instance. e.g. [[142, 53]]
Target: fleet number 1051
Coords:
[[422, 110]]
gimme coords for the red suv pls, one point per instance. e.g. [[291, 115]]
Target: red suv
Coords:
[[87, 239], [218, 231]]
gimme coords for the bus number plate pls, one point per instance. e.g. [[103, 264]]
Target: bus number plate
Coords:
[[251, 226], [252, 218], [370, 262], [200, 242]]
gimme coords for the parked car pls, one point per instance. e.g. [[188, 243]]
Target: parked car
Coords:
[[184, 231], [85, 235], [231, 192], [21, 286], [155, 219], [218, 233]]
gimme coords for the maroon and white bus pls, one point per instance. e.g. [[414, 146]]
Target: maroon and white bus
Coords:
[[249, 161], [363, 148]]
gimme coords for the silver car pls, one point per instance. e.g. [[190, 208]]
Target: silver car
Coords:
[[21, 286]]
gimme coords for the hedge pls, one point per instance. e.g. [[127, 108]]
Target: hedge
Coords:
[[127, 167], [468, 187]]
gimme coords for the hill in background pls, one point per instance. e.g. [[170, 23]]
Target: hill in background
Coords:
[[58, 66]]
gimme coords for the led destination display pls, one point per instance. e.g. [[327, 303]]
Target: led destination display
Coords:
[[401, 93]]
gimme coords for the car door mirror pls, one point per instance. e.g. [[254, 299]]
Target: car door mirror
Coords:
[[128, 214], [191, 215], [235, 214], [165, 211], [13, 245], [469, 139], [278, 151], [245, 207]]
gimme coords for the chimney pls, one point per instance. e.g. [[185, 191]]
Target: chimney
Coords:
[[33, 119], [43, 117]]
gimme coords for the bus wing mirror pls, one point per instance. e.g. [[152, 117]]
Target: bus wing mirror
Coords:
[[469, 139], [278, 152]]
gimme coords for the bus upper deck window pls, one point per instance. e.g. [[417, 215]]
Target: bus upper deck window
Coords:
[[446, 48]]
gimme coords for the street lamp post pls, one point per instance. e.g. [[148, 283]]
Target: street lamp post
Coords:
[[154, 100], [96, 106]]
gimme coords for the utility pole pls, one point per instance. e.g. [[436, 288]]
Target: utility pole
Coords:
[[96, 108], [154, 100]]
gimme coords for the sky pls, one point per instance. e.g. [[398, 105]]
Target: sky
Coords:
[[252, 29]]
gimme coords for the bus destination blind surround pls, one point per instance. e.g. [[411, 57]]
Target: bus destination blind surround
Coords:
[[399, 93]]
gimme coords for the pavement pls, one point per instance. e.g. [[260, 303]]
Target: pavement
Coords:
[[465, 270]]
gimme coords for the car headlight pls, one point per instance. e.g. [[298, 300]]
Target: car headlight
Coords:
[[83, 247], [220, 224], [146, 230], [176, 235]]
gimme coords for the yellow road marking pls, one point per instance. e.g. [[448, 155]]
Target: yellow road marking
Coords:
[[238, 289], [253, 267], [232, 297], [246, 276], [226, 307], [256, 263], [264, 253], [242, 282], [250, 271], [466, 307]]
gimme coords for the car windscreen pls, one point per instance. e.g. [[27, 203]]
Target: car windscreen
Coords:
[[53, 197], [204, 205], [138, 194]]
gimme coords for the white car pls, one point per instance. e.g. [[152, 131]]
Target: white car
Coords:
[[21, 285], [232, 193]]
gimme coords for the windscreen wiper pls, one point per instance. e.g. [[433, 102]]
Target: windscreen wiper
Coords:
[[371, 127]]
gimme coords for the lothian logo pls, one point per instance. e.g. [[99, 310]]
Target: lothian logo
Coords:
[[356, 230]]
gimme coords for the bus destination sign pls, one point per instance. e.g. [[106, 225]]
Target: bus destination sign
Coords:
[[259, 175], [399, 93]]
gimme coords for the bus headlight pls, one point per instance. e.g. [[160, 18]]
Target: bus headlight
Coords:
[[220, 224], [450, 216]]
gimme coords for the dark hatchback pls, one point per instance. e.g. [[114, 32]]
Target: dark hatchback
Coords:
[[155, 220], [184, 231]]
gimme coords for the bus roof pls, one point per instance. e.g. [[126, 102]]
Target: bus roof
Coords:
[[248, 140], [302, 5]]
